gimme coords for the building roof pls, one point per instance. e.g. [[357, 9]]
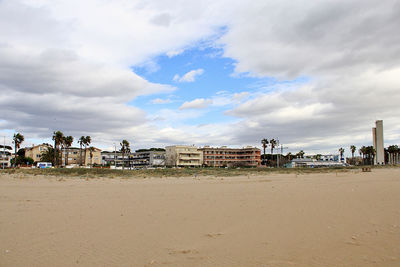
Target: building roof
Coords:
[[44, 144]]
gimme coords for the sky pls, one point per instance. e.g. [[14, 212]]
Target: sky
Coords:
[[313, 74]]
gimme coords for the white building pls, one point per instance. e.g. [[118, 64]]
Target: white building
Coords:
[[5, 158], [313, 163]]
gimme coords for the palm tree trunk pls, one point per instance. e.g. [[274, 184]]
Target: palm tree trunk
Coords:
[[85, 157], [15, 154], [80, 155], [264, 156]]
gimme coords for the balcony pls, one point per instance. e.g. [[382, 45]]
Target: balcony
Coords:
[[189, 156]]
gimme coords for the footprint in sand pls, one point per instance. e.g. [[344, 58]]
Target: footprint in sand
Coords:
[[184, 251], [214, 235]]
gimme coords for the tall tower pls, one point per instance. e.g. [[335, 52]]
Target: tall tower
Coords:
[[377, 138]]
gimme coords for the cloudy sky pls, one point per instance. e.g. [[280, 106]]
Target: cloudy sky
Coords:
[[314, 74]]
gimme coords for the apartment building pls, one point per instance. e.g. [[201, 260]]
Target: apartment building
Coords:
[[5, 159], [115, 158], [89, 158], [150, 158], [183, 156], [35, 152], [231, 157]]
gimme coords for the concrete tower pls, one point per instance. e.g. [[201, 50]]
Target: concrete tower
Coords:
[[377, 138]]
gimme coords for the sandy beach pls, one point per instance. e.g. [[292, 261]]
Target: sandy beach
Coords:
[[320, 219]]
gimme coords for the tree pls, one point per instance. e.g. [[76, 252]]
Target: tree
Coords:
[[87, 142], [300, 154], [81, 142], [393, 151], [21, 160], [48, 155], [58, 138], [17, 140], [124, 148], [370, 151], [363, 153], [353, 150], [341, 152], [21, 152], [273, 144], [264, 143], [67, 141]]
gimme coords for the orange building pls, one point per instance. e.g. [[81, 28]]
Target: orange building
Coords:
[[231, 157]]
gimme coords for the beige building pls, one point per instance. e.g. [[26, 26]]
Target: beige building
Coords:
[[183, 156], [74, 156], [35, 152]]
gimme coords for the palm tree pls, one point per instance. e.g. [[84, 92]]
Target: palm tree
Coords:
[[273, 144], [353, 150], [67, 141], [370, 151], [264, 143], [17, 140], [48, 155], [363, 153], [341, 151], [87, 142], [124, 148], [392, 153], [58, 138], [91, 149], [300, 154], [81, 142]]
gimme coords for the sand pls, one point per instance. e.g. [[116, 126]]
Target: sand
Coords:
[[333, 219]]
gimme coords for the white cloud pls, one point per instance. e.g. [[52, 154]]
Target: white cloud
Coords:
[[174, 53], [189, 76], [161, 101], [198, 103]]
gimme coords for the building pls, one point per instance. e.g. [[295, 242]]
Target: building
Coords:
[[231, 157], [327, 157], [150, 158], [115, 159], [74, 156], [377, 139], [183, 156], [313, 163], [5, 159], [35, 152]]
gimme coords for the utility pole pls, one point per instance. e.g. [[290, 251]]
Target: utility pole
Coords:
[[115, 156], [280, 153]]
